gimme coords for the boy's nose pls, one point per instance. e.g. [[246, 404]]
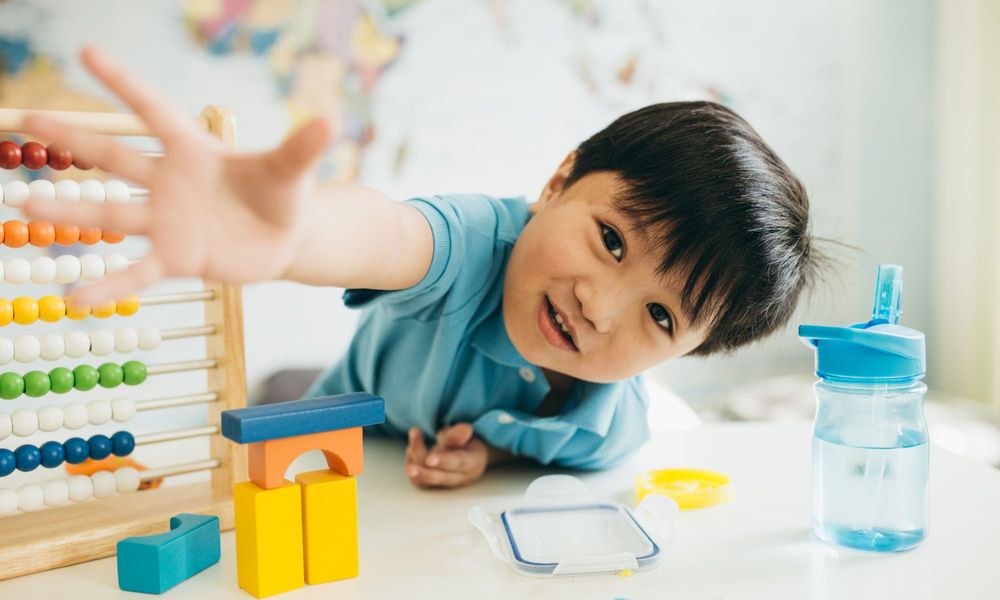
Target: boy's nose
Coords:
[[598, 307]]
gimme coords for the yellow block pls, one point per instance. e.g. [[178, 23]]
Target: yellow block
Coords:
[[330, 522], [268, 538]]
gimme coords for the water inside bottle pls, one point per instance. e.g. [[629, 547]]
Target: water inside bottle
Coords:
[[870, 498]]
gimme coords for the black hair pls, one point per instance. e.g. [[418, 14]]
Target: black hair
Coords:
[[726, 214]]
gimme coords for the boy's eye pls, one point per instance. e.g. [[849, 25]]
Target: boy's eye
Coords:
[[613, 242], [661, 316]]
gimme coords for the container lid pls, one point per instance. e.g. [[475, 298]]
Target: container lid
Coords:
[[879, 350], [690, 488]]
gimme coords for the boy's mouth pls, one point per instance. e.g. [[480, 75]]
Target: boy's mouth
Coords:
[[554, 327]]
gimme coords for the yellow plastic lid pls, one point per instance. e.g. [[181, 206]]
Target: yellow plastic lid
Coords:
[[690, 488]]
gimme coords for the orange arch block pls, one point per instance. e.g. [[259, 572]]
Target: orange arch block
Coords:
[[269, 459]]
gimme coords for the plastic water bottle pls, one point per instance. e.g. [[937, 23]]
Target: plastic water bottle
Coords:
[[870, 454]]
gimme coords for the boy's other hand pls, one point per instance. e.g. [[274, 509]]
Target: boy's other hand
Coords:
[[458, 458], [212, 213]]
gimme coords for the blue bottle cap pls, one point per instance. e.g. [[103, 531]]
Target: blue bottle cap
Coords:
[[880, 350]]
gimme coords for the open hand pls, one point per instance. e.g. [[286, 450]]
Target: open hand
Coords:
[[212, 213], [458, 458]]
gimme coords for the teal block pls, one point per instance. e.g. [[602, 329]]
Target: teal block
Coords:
[[153, 564]]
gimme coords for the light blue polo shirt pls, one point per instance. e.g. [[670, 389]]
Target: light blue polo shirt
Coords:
[[439, 354]]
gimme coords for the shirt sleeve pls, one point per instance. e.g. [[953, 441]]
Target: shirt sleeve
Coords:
[[464, 232], [598, 433]]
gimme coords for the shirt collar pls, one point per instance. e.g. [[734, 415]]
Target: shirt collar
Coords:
[[491, 339]]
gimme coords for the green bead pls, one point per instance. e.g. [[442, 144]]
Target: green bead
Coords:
[[85, 377], [11, 386], [36, 384], [61, 380], [111, 375], [135, 372]]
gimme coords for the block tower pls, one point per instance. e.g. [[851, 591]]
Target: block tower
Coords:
[[306, 531]]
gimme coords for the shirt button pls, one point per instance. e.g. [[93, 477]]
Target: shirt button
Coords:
[[505, 419], [527, 374]]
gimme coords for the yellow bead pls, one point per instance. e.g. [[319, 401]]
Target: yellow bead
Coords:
[[25, 310], [6, 312], [76, 310], [103, 311], [128, 306], [51, 308]]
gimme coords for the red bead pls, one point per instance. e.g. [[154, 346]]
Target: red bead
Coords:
[[83, 166], [10, 155], [59, 159], [34, 156]]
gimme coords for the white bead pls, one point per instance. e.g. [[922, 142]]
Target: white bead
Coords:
[[24, 421], [149, 337], [91, 267], [77, 344], [53, 346], [30, 497], [67, 268], [43, 269], [122, 409], [91, 190], [117, 191], [42, 189], [8, 502], [113, 263], [6, 426], [27, 348], [126, 340], [127, 479], [105, 484], [102, 342], [80, 488], [55, 492], [15, 193], [16, 270], [74, 415], [6, 351], [50, 418], [99, 412], [67, 190]]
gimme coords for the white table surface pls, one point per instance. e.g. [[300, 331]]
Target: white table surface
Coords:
[[419, 544]]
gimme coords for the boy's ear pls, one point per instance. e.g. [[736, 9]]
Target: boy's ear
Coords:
[[556, 183]]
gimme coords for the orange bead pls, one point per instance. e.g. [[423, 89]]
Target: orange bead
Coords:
[[51, 308], [41, 233], [90, 235], [67, 234], [76, 311], [25, 310], [103, 311], [15, 233], [6, 312], [1, 235], [112, 237], [128, 306]]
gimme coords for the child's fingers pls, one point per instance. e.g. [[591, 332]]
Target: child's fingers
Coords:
[[117, 285], [122, 217], [161, 117], [454, 460], [301, 150], [424, 477], [456, 436], [416, 451], [101, 150]]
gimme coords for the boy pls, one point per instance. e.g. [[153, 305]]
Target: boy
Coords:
[[501, 328]]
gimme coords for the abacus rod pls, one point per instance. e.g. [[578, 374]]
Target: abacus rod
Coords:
[[177, 367], [174, 401], [106, 123], [187, 332], [176, 434], [151, 474], [202, 296]]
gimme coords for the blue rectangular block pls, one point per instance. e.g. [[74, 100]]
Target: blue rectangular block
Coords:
[[301, 417], [153, 564]]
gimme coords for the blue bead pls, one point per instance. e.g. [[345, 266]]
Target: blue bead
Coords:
[[53, 455], [100, 446], [76, 450], [28, 457], [7, 462], [122, 443]]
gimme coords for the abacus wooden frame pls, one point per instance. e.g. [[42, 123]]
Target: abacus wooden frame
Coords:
[[56, 537]]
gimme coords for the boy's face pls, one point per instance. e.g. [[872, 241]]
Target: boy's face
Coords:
[[579, 261]]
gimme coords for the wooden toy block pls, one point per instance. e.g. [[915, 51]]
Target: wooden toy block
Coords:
[[153, 564], [268, 460], [269, 552], [330, 525], [301, 417]]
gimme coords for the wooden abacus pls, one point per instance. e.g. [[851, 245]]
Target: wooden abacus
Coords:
[[45, 528]]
